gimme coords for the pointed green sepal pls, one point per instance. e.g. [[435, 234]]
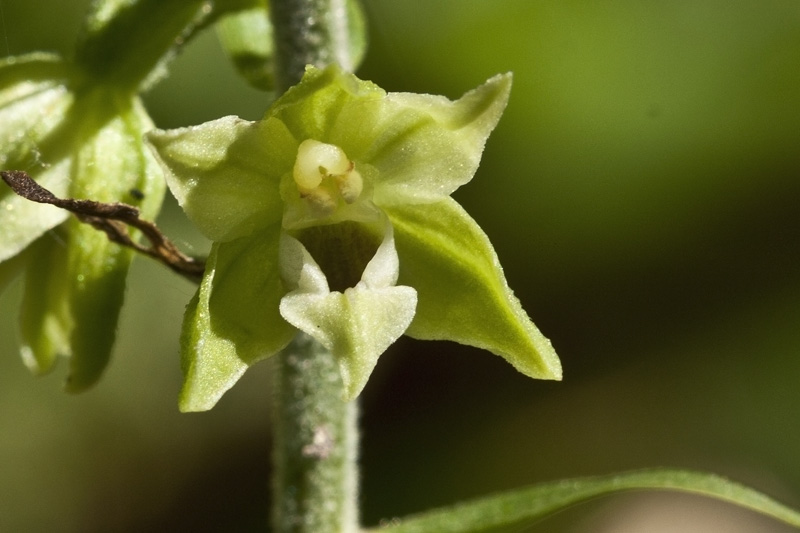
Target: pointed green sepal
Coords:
[[234, 321], [74, 290], [225, 174], [24, 221], [97, 270], [210, 364], [463, 294], [437, 143], [112, 161]]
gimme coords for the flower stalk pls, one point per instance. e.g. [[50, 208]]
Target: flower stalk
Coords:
[[309, 32], [315, 436], [315, 442]]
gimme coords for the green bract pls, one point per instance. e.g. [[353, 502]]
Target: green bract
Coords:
[[80, 140], [333, 215]]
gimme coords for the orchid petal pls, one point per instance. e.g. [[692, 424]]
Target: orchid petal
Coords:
[[233, 321], [224, 175]]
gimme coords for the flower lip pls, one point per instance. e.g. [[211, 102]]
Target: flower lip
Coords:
[[356, 324], [345, 255], [341, 250]]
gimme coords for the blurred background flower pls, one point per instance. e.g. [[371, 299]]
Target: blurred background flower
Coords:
[[642, 193]]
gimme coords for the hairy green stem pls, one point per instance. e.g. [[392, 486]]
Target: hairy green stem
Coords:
[[315, 441], [315, 434], [308, 32]]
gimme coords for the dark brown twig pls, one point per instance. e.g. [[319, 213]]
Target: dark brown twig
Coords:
[[112, 219]]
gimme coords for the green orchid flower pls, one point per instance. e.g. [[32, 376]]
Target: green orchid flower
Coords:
[[80, 140], [333, 216], [76, 127]]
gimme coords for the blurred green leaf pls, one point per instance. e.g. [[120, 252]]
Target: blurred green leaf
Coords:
[[522, 507], [127, 42]]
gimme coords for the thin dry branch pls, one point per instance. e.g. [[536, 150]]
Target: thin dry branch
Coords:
[[113, 219]]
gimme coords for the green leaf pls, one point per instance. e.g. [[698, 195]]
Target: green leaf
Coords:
[[225, 173], [523, 507], [463, 294], [246, 36], [234, 321]]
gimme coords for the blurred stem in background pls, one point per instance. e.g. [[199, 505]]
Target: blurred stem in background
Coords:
[[308, 32]]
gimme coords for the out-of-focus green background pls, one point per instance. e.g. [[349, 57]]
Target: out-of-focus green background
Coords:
[[642, 192]]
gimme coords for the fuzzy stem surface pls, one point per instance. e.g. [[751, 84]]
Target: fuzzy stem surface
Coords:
[[315, 433], [315, 442]]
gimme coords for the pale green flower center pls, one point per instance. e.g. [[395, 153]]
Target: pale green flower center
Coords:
[[334, 218], [324, 175]]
